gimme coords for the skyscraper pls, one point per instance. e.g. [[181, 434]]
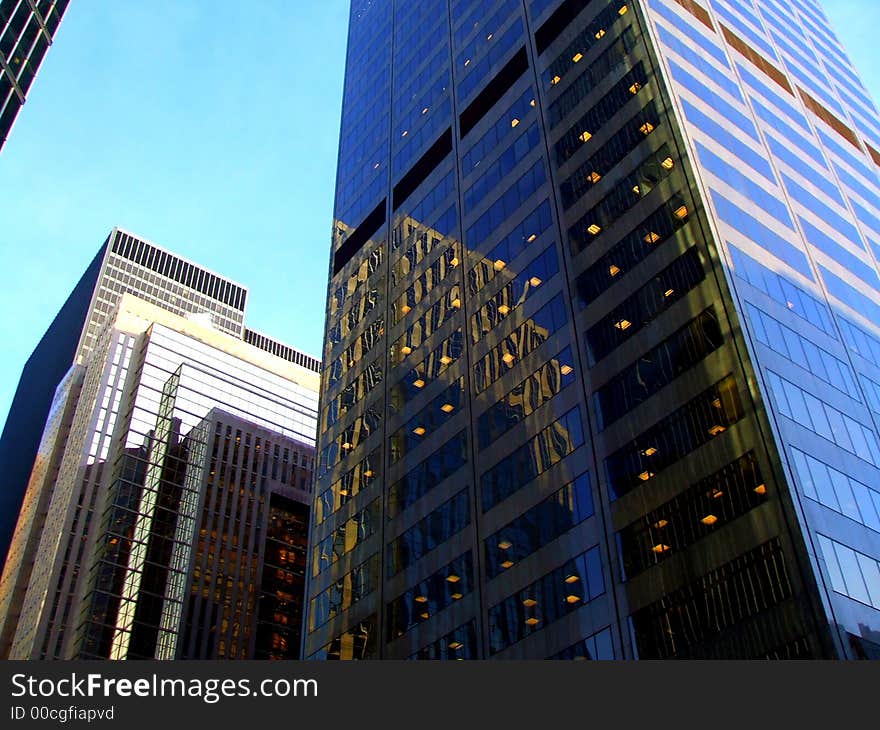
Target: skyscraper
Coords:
[[602, 350], [173, 522], [124, 263], [26, 31]]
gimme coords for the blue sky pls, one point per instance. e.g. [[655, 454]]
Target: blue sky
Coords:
[[211, 128]]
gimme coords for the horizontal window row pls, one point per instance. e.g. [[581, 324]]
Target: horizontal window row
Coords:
[[427, 421], [461, 643], [801, 351], [592, 33], [479, 69], [354, 316], [681, 522], [509, 247], [872, 392], [356, 351], [515, 293], [632, 249], [678, 623], [415, 143], [533, 458], [654, 370], [489, 27], [526, 338], [422, 242], [501, 168], [513, 116], [358, 643], [781, 290], [737, 177], [353, 482], [645, 305], [853, 573], [816, 415], [860, 342], [505, 206], [697, 422], [416, 222], [413, 544], [586, 127], [836, 490], [427, 474], [434, 275], [344, 593], [438, 314], [612, 152], [352, 436], [747, 224], [539, 525], [345, 538], [629, 191], [598, 646], [616, 55], [553, 596], [525, 398], [464, 25], [425, 371], [353, 393], [428, 597]]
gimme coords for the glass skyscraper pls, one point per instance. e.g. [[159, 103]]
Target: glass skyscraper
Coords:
[[169, 516], [26, 31], [124, 263], [603, 336]]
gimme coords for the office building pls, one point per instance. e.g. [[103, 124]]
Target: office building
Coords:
[[27, 28], [174, 522], [124, 263], [603, 341]]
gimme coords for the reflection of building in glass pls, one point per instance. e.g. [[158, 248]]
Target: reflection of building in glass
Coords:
[[668, 205], [27, 28], [125, 263], [110, 569]]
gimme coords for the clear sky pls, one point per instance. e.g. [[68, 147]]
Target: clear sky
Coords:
[[211, 128]]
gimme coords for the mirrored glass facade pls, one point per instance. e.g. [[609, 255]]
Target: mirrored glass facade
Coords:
[[600, 271], [26, 31]]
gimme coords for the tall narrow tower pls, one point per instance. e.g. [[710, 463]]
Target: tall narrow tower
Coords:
[[602, 350], [27, 28]]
